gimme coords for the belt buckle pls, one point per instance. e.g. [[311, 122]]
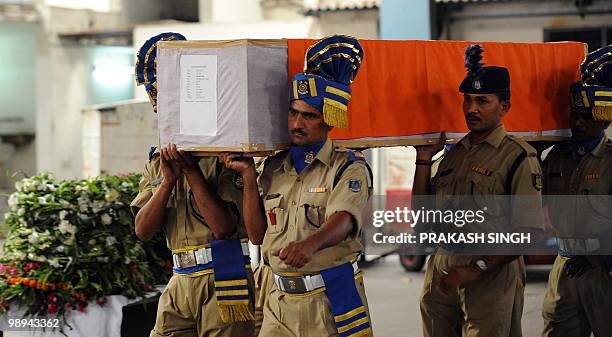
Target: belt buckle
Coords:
[[293, 285], [186, 259]]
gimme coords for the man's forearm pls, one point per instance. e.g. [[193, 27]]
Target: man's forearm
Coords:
[[333, 231], [422, 180], [151, 217], [216, 215], [253, 210]]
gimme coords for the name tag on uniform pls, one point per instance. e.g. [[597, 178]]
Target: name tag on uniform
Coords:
[[317, 189], [482, 170], [592, 176]]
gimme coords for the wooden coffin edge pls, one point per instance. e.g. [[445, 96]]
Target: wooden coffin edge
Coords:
[[222, 43], [377, 143]]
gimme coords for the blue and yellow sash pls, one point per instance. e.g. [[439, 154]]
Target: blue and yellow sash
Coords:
[[350, 315], [231, 285]]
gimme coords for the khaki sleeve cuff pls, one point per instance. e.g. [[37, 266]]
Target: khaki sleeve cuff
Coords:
[[348, 207], [141, 199]]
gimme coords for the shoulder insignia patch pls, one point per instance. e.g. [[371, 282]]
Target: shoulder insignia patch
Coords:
[[157, 181], [354, 185], [536, 179]]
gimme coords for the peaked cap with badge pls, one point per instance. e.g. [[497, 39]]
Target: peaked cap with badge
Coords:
[[481, 79], [330, 66], [594, 91], [146, 64]]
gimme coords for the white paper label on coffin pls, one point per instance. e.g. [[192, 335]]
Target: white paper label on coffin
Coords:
[[251, 95], [198, 107]]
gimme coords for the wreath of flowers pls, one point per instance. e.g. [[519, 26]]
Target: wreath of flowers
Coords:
[[70, 241]]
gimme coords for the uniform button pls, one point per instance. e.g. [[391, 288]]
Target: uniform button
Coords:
[[298, 180], [294, 203]]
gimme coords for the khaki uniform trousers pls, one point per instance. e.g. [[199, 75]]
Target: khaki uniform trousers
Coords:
[[262, 287], [490, 307], [575, 307], [188, 308], [291, 316]]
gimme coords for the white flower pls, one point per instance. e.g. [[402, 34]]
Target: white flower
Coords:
[[110, 240], [6, 216], [97, 206], [126, 184], [92, 242], [34, 239], [18, 185], [21, 211], [51, 187], [42, 200], [54, 263], [83, 207], [69, 241], [13, 201], [127, 260], [37, 258], [106, 219], [60, 248], [66, 227], [111, 195], [62, 214], [65, 203], [103, 259]]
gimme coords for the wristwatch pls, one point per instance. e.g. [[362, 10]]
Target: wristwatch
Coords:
[[482, 264]]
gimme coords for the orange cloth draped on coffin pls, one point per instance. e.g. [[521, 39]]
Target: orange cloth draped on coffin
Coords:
[[412, 87]]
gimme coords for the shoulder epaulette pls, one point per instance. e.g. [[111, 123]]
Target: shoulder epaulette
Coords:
[[353, 156], [530, 150], [277, 155]]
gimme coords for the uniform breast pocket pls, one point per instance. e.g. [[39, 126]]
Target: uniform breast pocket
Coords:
[[275, 214], [312, 210], [443, 188], [555, 183], [595, 199], [483, 190]]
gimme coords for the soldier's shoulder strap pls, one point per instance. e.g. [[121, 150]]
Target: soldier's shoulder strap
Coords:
[[527, 151], [353, 157], [277, 156]]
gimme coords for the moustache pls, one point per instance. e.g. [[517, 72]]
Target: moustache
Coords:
[[472, 117], [298, 132]]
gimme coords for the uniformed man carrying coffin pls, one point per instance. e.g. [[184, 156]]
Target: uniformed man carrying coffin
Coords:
[[467, 295], [309, 220], [198, 205], [578, 185]]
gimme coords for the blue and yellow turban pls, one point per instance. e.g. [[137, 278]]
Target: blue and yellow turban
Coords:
[[330, 66], [594, 91], [146, 72]]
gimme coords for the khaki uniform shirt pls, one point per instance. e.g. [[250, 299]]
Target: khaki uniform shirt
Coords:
[[297, 205], [578, 193], [471, 174], [184, 225]]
